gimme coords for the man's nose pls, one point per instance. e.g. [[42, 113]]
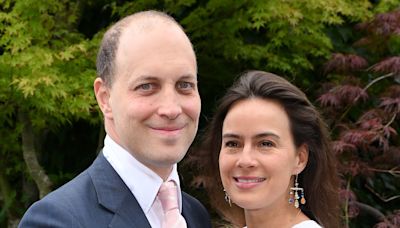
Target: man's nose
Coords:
[[170, 106]]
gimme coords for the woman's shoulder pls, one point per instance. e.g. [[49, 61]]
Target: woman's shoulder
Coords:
[[307, 224]]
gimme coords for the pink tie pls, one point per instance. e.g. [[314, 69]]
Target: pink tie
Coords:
[[168, 196]]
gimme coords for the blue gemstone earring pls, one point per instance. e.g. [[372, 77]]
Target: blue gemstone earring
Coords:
[[294, 194]]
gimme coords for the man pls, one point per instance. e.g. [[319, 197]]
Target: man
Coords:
[[147, 90]]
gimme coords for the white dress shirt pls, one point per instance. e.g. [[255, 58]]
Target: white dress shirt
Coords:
[[142, 181]]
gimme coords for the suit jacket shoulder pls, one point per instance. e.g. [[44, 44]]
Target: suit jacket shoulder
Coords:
[[95, 198], [99, 198], [194, 212]]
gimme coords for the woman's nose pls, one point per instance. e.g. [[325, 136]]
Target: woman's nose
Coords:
[[246, 158]]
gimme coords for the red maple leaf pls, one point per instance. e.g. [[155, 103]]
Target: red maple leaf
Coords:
[[388, 65], [340, 146], [384, 24], [329, 99], [357, 137], [345, 63], [390, 105], [351, 93]]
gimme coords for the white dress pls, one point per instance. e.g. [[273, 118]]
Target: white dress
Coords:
[[305, 224]]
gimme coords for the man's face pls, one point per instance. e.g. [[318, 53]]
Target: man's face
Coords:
[[154, 104]]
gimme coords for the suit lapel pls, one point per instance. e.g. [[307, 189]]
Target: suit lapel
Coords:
[[128, 216], [115, 196], [186, 212]]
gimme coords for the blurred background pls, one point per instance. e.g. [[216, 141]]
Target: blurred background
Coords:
[[345, 55]]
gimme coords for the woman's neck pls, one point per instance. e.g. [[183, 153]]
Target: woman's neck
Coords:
[[274, 217]]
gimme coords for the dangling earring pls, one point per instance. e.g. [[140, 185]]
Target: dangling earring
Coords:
[[294, 194], [227, 198]]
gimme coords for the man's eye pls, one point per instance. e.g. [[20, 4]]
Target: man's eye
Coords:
[[146, 86], [185, 85]]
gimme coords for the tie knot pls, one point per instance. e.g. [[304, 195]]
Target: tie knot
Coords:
[[168, 196]]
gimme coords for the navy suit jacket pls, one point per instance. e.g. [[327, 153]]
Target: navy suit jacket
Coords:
[[99, 198]]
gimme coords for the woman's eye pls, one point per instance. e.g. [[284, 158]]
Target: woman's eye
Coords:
[[231, 144], [267, 144]]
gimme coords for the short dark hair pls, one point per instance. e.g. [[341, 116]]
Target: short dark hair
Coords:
[[319, 178], [105, 63]]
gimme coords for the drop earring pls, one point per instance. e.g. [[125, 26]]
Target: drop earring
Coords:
[[295, 196], [228, 198]]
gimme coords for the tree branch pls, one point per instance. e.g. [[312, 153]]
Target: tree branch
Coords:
[[391, 120], [36, 171], [377, 79], [381, 197], [393, 171], [349, 106]]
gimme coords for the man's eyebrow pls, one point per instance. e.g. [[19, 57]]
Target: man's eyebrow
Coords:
[[188, 76], [142, 78], [146, 77]]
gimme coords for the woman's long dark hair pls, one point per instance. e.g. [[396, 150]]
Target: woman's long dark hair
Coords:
[[319, 178]]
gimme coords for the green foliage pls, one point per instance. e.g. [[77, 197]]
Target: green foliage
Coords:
[[277, 36], [386, 5], [47, 70], [47, 64]]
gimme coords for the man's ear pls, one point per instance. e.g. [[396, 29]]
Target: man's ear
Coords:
[[102, 93], [302, 159]]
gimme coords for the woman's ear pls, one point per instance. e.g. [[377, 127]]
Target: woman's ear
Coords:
[[102, 93], [302, 159]]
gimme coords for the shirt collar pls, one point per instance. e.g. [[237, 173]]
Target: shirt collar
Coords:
[[141, 181]]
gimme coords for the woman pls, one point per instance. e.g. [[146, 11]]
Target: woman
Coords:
[[273, 153]]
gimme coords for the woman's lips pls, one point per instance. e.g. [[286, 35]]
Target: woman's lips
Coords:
[[246, 182]]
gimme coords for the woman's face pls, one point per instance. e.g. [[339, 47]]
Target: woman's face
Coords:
[[258, 156]]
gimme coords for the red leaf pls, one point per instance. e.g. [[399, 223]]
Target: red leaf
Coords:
[[391, 221], [347, 195], [345, 63], [384, 24], [371, 124], [351, 93], [340, 146], [358, 137], [388, 65], [329, 99], [382, 140], [388, 131], [390, 105]]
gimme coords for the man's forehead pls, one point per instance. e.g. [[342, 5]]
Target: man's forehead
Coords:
[[144, 24]]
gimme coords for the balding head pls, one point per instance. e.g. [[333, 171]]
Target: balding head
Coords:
[[140, 23]]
